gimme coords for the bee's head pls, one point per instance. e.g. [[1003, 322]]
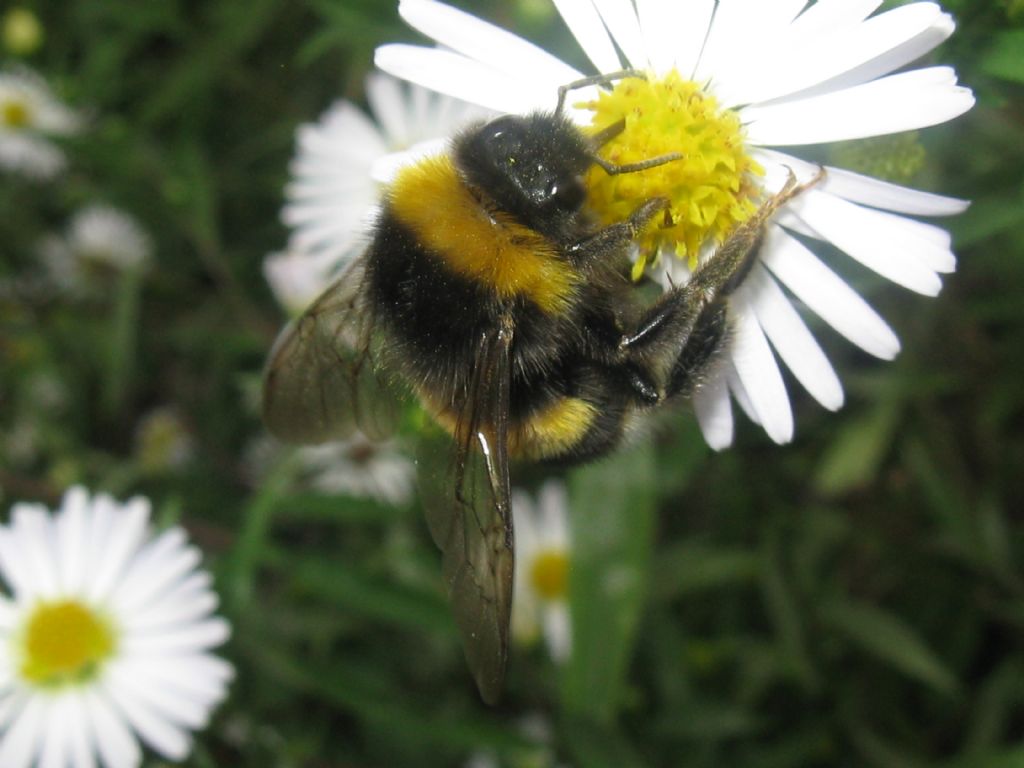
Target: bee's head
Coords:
[[530, 166]]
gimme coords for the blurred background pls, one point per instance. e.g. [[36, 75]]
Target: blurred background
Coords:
[[854, 598]]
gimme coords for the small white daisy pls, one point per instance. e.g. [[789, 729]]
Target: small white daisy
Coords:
[[341, 163], [361, 467], [100, 241], [105, 637], [540, 602], [29, 115], [727, 84]]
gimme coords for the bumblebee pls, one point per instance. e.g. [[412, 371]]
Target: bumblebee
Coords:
[[492, 294]]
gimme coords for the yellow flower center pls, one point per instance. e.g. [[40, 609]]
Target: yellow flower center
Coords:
[[712, 188], [65, 642], [14, 114], [549, 574]]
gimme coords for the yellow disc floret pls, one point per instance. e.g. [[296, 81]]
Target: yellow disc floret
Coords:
[[712, 187], [65, 642], [549, 574], [14, 114]]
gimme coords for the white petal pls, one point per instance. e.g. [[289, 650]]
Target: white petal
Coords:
[[129, 531], [194, 586], [825, 16], [558, 630], [826, 294], [194, 637], [161, 563], [72, 540], [901, 102], [620, 19], [165, 702], [386, 168], [200, 677], [56, 746], [388, 105], [99, 526], [742, 34], [858, 188], [115, 743], [464, 78], [80, 739], [36, 536], [874, 238], [16, 569], [713, 410], [686, 28], [739, 393], [759, 373], [909, 50], [553, 506], [872, 48], [583, 21], [22, 741], [166, 738], [11, 705], [491, 45], [173, 613], [9, 616], [791, 339]]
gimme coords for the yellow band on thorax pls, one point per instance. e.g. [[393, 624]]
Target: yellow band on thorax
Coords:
[[488, 248]]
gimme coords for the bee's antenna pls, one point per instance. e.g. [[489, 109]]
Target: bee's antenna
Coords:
[[605, 79], [608, 133]]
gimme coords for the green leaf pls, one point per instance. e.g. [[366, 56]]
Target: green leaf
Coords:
[[854, 457], [1005, 56], [355, 591], [693, 566], [888, 638], [612, 526], [784, 610], [365, 695], [597, 747], [123, 340]]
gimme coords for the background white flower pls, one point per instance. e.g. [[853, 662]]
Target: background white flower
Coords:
[[341, 162], [99, 240], [361, 467], [105, 637], [795, 74], [540, 600], [29, 114]]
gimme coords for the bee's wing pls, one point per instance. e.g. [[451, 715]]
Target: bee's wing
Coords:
[[322, 380], [469, 515]]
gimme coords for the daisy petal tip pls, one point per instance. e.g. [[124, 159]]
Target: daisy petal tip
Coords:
[[835, 401], [718, 443]]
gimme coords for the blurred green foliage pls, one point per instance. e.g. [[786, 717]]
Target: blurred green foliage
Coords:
[[855, 598]]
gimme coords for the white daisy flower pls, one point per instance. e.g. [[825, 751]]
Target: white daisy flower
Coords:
[[361, 467], [341, 163], [100, 240], [728, 84], [540, 601], [29, 114], [105, 637]]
